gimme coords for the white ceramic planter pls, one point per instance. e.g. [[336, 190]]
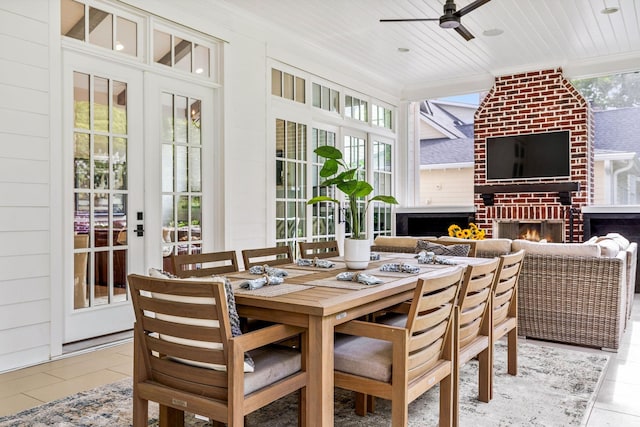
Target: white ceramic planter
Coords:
[[357, 253]]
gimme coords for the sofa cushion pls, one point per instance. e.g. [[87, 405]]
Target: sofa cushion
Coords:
[[497, 246], [567, 249], [619, 239], [608, 247]]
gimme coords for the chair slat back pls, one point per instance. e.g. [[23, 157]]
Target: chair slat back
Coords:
[[474, 301], [429, 320], [506, 285], [182, 331], [205, 264], [319, 249], [276, 255]]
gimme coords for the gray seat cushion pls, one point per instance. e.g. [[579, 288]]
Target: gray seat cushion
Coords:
[[272, 364]]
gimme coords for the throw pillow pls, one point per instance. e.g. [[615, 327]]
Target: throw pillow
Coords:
[[438, 249]]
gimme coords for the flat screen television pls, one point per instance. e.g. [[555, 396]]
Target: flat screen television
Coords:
[[535, 155]]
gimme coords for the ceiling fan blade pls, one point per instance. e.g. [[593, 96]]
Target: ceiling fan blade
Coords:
[[409, 19], [460, 29], [470, 7]]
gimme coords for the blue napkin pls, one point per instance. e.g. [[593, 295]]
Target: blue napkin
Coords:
[[431, 258], [365, 279], [400, 268], [316, 262], [375, 256], [254, 284], [269, 271]]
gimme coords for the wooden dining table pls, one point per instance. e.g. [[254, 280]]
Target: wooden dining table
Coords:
[[317, 301]]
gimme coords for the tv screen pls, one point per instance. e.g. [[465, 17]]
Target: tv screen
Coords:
[[533, 155]]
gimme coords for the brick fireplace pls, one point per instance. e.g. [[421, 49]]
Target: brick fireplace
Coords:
[[535, 102]]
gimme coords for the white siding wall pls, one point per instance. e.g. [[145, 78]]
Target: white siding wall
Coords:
[[446, 187], [25, 314]]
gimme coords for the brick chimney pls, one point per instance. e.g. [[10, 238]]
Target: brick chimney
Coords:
[[535, 102]]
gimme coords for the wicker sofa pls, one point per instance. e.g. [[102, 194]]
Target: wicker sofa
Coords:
[[575, 293]]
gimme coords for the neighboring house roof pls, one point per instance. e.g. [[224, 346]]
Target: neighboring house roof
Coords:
[[616, 131]]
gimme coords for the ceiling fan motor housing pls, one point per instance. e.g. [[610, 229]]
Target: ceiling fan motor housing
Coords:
[[449, 19]]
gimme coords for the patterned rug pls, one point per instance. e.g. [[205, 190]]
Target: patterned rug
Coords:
[[554, 387]]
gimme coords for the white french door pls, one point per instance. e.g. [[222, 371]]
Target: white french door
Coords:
[[104, 210]]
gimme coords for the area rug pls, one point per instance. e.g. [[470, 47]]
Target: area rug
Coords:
[[554, 387]]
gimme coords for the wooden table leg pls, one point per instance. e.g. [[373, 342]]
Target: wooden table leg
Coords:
[[320, 370]]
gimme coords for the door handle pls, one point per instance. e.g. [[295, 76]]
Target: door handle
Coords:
[[139, 230]]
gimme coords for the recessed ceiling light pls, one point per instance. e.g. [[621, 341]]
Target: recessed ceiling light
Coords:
[[609, 10], [403, 49], [492, 32]]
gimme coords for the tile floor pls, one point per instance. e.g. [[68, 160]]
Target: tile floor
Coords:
[[617, 403]]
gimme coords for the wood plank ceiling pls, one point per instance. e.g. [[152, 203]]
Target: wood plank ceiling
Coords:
[[536, 34]]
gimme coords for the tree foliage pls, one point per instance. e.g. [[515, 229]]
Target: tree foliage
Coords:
[[613, 91]]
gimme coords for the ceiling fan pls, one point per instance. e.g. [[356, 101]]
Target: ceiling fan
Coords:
[[451, 17]]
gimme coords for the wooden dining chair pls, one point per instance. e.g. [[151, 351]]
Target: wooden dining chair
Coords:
[[505, 307], [205, 264], [186, 357], [400, 363], [474, 331], [312, 250], [276, 255]]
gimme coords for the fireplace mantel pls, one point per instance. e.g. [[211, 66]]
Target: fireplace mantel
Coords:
[[538, 187]]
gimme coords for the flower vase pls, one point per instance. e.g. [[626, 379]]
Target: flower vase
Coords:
[[357, 253]]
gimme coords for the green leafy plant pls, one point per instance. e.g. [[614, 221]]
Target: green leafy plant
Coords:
[[338, 173]]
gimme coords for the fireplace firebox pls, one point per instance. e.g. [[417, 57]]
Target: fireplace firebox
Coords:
[[550, 231]]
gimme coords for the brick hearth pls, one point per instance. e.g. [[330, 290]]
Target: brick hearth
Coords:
[[535, 102]]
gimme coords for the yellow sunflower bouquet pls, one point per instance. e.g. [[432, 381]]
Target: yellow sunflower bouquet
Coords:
[[472, 233]]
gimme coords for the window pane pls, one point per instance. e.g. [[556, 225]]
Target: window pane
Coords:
[[201, 60], [326, 98], [300, 95], [168, 230], [101, 104], [316, 94], [162, 47], [276, 82], [127, 37], [288, 86], [302, 142], [291, 140], [119, 107], [335, 100], [101, 219], [72, 19], [81, 104], [100, 28], [182, 54], [280, 232]]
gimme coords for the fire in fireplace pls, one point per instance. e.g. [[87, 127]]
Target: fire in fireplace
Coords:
[[550, 231]]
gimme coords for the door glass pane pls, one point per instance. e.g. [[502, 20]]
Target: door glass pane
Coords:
[[181, 169], [81, 165], [119, 107], [101, 162], [194, 111], [101, 104], [100, 28], [181, 119], [167, 168], [195, 180], [81, 106], [119, 162]]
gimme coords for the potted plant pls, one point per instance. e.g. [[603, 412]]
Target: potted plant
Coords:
[[338, 173]]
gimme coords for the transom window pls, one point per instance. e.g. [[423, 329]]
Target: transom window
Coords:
[[381, 116], [326, 98], [356, 108], [99, 28], [288, 86]]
